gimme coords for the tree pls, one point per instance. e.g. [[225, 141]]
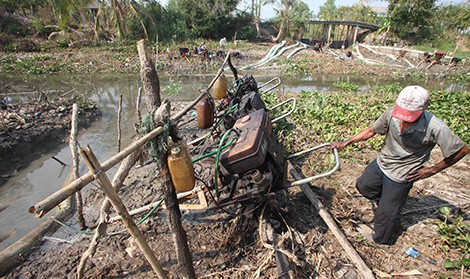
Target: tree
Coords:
[[66, 9], [328, 10], [284, 14], [457, 17], [412, 19], [256, 6], [357, 12], [205, 19], [300, 14]]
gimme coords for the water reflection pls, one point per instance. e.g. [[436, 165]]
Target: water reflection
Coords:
[[45, 176]]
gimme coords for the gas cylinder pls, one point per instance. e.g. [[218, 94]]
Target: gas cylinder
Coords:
[[205, 113], [181, 168], [219, 90]]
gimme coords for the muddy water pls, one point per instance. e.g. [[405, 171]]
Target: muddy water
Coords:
[[44, 176]]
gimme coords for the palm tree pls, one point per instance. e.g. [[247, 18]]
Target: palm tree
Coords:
[[285, 19], [65, 9]]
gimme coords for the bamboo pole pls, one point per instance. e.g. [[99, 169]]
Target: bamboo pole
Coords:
[[95, 167], [102, 226], [44, 206], [350, 251]]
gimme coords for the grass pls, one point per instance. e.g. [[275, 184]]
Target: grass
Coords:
[[448, 46]]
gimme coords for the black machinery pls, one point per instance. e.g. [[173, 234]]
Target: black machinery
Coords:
[[249, 161]]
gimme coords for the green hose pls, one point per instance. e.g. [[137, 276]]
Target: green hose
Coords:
[[213, 152], [217, 158]]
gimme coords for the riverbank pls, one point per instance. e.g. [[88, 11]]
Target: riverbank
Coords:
[[123, 58], [28, 130]]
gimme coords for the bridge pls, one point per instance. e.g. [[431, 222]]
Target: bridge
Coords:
[[340, 33]]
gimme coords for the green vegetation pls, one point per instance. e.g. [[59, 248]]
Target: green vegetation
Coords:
[[455, 234], [346, 86], [172, 89], [325, 117], [299, 68]]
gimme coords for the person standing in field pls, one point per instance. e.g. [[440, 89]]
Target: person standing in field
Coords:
[[222, 43], [411, 132]]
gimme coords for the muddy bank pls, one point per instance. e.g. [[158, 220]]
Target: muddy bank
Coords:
[[31, 129]]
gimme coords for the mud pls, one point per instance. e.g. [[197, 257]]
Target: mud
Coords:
[[28, 130]]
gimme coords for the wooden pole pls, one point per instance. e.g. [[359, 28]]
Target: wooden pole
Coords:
[[149, 77], [100, 230], [355, 34], [183, 254], [352, 253], [95, 167], [330, 26], [119, 123], [44, 206], [75, 164]]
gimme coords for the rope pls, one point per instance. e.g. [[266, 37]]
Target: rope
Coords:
[[158, 145]]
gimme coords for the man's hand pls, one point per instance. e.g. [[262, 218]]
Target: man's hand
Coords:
[[421, 173], [340, 145]]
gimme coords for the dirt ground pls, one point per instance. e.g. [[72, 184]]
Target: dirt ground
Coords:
[[224, 245]]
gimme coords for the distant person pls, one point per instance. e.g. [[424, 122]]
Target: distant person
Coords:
[[318, 47], [411, 132], [222, 43]]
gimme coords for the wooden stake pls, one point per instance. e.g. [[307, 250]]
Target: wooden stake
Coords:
[[149, 76], [119, 124], [75, 165], [352, 253], [95, 167], [100, 230], [183, 254]]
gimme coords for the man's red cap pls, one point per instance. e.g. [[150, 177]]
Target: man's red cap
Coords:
[[411, 103]]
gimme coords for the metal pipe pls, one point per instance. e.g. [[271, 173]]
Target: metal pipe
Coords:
[[294, 106], [272, 87], [311, 178]]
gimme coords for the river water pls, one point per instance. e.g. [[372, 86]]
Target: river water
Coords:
[[45, 176]]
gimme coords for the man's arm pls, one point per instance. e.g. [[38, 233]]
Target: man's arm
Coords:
[[361, 136], [423, 173]]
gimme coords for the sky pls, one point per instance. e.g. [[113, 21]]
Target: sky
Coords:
[[268, 10]]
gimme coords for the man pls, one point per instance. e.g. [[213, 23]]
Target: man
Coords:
[[222, 43], [410, 132]]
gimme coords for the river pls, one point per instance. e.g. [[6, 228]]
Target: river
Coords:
[[45, 175]]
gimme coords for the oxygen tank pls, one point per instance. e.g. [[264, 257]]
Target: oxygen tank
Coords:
[[205, 113], [219, 89], [181, 168]]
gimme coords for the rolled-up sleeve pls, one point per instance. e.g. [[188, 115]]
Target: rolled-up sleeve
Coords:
[[380, 126], [448, 142]]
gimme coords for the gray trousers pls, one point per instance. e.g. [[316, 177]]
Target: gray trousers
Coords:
[[391, 197]]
